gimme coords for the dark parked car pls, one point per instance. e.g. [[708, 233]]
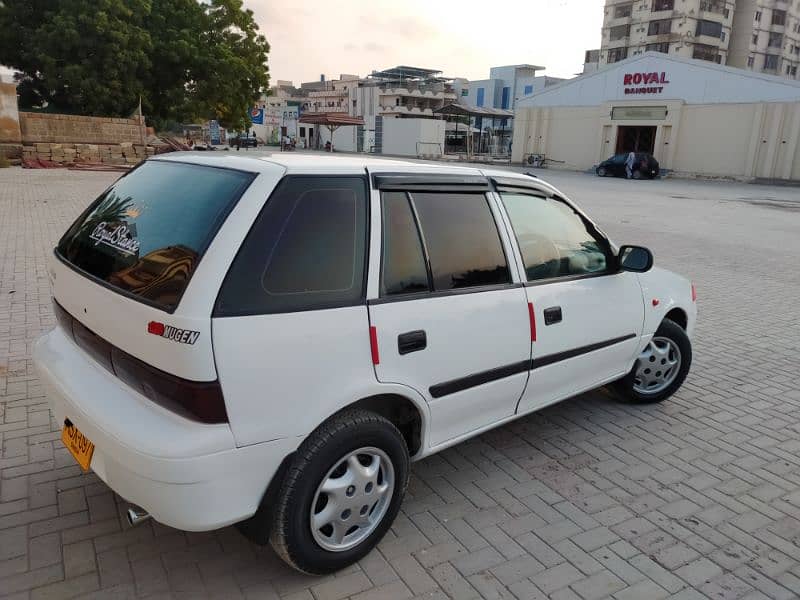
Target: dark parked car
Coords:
[[245, 141], [645, 166]]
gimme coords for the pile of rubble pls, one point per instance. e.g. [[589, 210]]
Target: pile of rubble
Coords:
[[125, 153]]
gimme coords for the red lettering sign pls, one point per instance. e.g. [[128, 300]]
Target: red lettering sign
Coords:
[[649, 81]]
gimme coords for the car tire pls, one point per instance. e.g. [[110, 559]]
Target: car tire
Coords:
[[637, 174], [602, 172], [669, 343], [350, 475]]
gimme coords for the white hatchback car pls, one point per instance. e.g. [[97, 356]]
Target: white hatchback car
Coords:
[[270, 341]]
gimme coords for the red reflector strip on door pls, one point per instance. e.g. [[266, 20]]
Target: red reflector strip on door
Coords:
[[694, 293], [373, 345], [532, 317]]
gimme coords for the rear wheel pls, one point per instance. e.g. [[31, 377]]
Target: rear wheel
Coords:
[[661, 367], [341, 493], [602, 171]]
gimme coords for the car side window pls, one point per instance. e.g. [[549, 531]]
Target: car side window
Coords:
[[403, 262], [553, 239], [305, 251], [461, 239]]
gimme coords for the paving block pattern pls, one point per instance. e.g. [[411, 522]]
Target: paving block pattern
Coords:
[[697, 497]]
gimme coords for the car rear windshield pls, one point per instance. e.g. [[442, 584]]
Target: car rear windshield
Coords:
[[145, 235]]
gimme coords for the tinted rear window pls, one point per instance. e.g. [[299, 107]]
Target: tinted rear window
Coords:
[[462, 240], [145, 235]]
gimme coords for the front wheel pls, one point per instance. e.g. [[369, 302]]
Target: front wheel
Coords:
[[661, 367], [341, 493], [601, 171]]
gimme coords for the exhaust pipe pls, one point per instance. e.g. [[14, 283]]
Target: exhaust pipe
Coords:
[[136, 515]]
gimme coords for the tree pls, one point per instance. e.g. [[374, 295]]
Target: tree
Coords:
[[233, 72], [185, 59], [87, 57]]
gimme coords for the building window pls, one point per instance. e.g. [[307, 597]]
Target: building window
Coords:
[[755, 39], [617, 54], [778, 17], [797, 50], [661, 47], [619, 32], [793, 71], [758, 16], [709, 28], [480, 98], [354, 103], [623, 10], [592, 56], [528, 90], [663, 5], [722, 36], [712, 6], [659, 27], [726, 13], [775, 39], [705, 52], [771, 62], [750, 61], [302, 132], [504, 98]]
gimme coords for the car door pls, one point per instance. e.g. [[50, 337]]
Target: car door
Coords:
[[618, 164], [449, 319], [587, 314]]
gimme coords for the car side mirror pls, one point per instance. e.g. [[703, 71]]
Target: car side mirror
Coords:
[[637, 259]]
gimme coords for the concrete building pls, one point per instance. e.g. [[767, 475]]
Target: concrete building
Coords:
[[693, 116], [504, 87], [758, 35]]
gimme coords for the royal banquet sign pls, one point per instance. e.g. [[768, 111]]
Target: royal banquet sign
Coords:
[[644, 83]]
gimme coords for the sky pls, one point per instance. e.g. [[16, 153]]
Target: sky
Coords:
[[463, 38]]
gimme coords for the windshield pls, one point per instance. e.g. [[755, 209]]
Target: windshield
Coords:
[[145, 235]]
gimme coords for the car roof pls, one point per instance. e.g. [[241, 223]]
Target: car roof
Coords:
[[341, 164], [305, 163]]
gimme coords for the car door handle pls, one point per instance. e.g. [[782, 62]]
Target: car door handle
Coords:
[[412, 341], [552, 315]]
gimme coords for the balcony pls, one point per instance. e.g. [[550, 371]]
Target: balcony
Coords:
[[431, 92], [403, 109], [328, 94], [319, 108]]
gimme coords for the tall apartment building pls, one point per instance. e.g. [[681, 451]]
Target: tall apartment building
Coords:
[[766, 37], [759, 35]]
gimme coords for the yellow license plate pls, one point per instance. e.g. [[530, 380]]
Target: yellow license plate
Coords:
[[78, 444]]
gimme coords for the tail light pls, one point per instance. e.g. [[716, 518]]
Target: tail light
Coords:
[[197, 400], [694, 294]]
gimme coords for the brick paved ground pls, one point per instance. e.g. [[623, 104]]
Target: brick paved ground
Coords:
[[697, 497]]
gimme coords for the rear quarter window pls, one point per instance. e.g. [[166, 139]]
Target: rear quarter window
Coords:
[[145, 235], [305, 251]]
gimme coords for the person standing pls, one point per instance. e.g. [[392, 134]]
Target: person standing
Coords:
[[629, 162]]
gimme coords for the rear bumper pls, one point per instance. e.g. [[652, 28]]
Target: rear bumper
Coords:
[[186, 474]]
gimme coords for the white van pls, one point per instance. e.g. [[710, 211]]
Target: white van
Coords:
[[270, 341]]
